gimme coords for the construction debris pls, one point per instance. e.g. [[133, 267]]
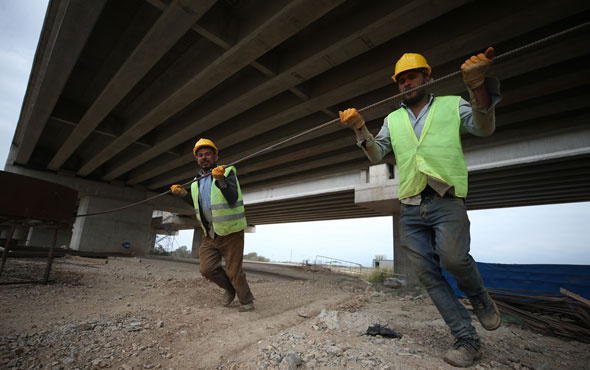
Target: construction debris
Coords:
[[556, 314], [382, 331], [87, 259]]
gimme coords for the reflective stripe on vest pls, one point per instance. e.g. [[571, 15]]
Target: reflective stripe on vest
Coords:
[[437, 154], [227, 218]]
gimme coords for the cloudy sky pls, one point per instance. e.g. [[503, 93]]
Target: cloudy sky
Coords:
[[542, 234]]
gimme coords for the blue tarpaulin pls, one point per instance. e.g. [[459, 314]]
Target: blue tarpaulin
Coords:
[[541, 278]]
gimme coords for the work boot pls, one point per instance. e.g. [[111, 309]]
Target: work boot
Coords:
[[486, 311], [228, 297], [463, 353], [247, 307]]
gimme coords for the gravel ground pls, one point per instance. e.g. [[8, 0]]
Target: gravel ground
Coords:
[[155, 314]]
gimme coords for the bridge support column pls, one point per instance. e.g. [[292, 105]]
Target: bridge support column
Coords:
[[401, 263], [197, 240], [40, 237], [19, 237], [380, 193], [126, 231]]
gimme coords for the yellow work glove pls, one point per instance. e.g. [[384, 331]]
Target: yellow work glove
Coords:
[[218, 173], [474, 69], [352, 118], [178, 190]]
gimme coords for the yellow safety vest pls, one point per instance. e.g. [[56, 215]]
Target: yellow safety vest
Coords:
[[437, 154], [227, 218]]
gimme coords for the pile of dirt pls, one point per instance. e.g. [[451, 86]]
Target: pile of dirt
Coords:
[[155, 314]]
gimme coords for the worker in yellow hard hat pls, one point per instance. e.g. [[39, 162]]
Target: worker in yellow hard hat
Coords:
[[219, 209], [425, 136]]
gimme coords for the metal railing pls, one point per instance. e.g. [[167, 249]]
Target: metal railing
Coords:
[[340, 266]]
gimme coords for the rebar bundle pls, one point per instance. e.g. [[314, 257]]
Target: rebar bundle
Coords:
[[558, 314]]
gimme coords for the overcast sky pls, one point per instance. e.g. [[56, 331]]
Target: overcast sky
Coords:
[[542, 234]]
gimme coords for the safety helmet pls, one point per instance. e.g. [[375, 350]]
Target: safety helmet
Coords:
[[410, 61], [204, 143]]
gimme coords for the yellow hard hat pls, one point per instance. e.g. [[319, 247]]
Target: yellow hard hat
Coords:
[[204, 143], [410, 61]]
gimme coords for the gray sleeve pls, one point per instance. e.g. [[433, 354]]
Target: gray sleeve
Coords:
[[475, 119], [374, 147]]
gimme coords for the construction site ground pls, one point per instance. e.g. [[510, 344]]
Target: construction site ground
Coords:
[[133, 313]]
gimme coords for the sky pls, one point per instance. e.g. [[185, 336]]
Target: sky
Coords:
[[539, 234]]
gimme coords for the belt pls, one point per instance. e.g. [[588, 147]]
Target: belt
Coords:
[[430, 193]]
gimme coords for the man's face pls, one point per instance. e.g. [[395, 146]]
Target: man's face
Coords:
[[206, 158], [409, 80]]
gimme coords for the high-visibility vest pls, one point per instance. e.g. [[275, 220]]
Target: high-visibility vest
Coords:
[[227, 218], [437, 154]]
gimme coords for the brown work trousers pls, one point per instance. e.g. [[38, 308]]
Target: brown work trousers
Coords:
[[232, 278]]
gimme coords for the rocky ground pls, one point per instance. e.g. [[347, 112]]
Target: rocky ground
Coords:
[[155, 314]]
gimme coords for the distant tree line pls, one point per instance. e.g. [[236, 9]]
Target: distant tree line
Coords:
[[179, 252], [253, 256]]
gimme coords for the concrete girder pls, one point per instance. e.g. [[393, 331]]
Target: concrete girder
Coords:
[[281, 25], [541, 58], [157, 167], [344, 138], [305, 203], [138, 23], [171, 26], [121, 193], [508, 148], [251, 125], [329, 159], [520, 186], [69, 24], [290, 77], [309, 210], [256, 183], [327, 205], [313, 212], [320, 186], [220, 41], [565, 169], [312, 218], [505, 182], [99, 131], [560, 195], [506, 185], [276, 158]]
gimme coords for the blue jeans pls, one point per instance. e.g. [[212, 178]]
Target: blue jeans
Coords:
[[437, 233]]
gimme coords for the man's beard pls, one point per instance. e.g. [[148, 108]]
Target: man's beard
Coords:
[[420, 94], [209, 167]]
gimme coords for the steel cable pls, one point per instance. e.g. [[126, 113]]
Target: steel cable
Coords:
[[367, 108]]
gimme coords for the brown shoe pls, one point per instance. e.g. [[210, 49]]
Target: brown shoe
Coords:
[[228, 297], [486, 310], [247, 307], [463, 353]]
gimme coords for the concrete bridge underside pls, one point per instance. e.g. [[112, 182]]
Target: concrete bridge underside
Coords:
[[120, 90]]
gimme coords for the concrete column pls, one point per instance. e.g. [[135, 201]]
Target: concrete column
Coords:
[[20, 235], [4, 230], [197, 240], [401, 262], [152, 240], [41, 237], [110, 232]]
